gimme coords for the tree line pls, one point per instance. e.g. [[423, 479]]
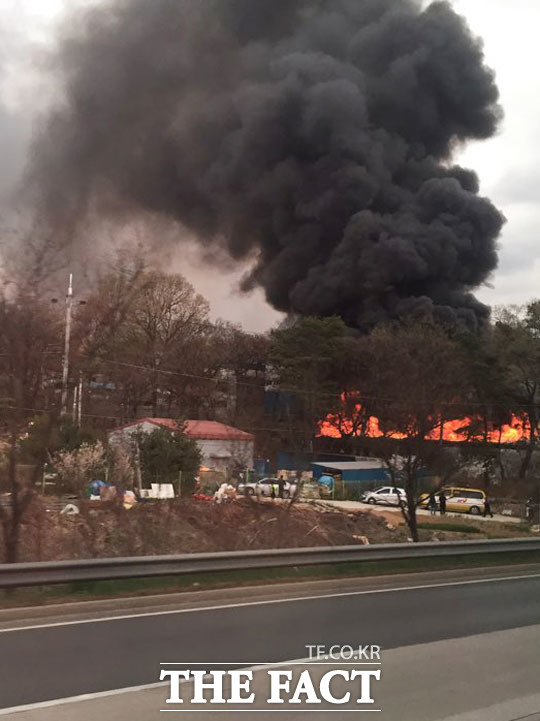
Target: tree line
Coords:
[[143, 342]]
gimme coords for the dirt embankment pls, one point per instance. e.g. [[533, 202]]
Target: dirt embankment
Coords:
[[189, 526]]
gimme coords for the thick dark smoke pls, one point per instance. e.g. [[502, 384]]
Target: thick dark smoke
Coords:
[[314, 136]]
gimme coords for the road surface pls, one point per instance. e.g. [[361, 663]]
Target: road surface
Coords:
[[441, 636], [379, 508]]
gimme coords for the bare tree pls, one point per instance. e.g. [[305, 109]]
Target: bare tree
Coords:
[[350, 418], [414, 373], [145, 332], [34, 256], [76, 468], [28, 331]]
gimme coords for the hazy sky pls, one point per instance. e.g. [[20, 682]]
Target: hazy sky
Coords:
[[508, 165]]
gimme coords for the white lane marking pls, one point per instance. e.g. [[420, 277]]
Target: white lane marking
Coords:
[[149, 687], [77, 699], [268, 602]]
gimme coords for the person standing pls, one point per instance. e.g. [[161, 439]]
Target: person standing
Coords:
[[442, 503], [432, 503], [487, 508]]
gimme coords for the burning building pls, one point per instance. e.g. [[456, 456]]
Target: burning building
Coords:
[[459, 430]]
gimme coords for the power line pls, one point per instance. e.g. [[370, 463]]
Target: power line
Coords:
[[307, 433], [354, 395], [336, 396], [43, 411]]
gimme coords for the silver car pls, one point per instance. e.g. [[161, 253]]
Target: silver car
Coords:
[[264, 488], [387, 496]]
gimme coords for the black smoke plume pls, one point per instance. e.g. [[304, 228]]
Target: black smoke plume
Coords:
[[313, 137]]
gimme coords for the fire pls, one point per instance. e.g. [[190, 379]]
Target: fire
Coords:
[[456, 431]]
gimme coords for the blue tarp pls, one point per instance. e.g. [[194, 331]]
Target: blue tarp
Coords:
[[96, 486], [326, 480]]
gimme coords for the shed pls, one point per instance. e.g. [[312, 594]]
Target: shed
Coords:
[[223, 448]]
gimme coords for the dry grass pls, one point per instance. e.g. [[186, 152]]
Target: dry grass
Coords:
[[187, 526]]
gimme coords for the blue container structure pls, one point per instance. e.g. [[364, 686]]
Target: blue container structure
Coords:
[[363, 472]]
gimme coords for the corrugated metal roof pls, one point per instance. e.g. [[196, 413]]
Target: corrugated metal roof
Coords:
[[213, 430], [169, 423], [350, 465]]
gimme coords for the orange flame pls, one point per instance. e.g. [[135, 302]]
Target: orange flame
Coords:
[[457, 430]]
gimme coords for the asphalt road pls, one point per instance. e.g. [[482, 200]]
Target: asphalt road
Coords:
[[489, 677], [54, 662], [465, 517]]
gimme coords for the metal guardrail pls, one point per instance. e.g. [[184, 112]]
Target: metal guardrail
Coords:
[[56, 572]]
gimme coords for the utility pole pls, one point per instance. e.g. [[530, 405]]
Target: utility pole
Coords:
[[75, 403], [79, 398], [65, 360], [138, 473]]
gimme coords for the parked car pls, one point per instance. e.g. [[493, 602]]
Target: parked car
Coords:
[[387, 496], [459, 500], [264, 488]]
